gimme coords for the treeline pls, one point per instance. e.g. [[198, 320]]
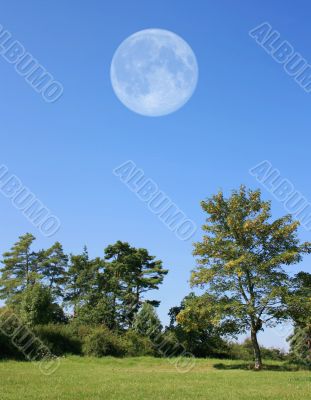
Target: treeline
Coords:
[[97, 306], [108, 291], [78, 305]]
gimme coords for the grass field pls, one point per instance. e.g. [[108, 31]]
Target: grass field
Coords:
[[149, 378]]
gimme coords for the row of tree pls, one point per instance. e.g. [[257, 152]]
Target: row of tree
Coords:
[[241, 266], [107, 291]]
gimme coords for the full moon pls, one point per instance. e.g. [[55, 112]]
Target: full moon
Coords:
[[154, 72]]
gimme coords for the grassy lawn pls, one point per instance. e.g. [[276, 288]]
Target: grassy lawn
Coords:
[[149, 378]]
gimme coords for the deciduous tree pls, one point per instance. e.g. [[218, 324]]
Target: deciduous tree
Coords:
[[241, 260]]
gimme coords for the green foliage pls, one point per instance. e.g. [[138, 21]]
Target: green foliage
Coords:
[[244, 351], [104, 295], [53, 268], [196, 326], [300, 344], [299, 299], [137, 345], [240, 263], [101, 313], [20, 269], [132, 272], [299, 305], [101, 342], [8, 324], [60, 339], [37, 307], [78, 279]]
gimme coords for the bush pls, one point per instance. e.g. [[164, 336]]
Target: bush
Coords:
[[137, 345], [239, 351], [37, 307], [273, 354], [18, 340], [101, 342], [8, 326], [60, 339]]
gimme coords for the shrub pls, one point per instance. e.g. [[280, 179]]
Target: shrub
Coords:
[[101, 342], [273, 354], [60, 339], [137, 345], [37, 307], [18, 340], [239, 351], [8, 325]]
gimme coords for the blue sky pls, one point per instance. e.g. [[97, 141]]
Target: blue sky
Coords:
[[245, 109]]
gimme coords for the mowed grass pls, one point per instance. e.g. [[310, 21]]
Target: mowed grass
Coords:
[[149, 378]]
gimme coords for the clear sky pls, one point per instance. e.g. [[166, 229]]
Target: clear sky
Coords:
[[245, 109]]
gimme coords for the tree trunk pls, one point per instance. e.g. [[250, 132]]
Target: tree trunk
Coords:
[[257, 352]]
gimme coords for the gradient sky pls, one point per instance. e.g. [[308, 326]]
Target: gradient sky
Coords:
[[245, 110]]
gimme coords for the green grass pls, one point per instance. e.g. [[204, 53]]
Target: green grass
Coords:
[[150, 378]]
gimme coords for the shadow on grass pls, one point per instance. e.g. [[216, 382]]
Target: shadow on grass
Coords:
[[266, 367]]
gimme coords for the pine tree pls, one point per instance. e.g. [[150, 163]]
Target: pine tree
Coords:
[[96, 305], [133, 272], [78, 279], [53, 268], [20, 269], [119, 257], [147, 322]]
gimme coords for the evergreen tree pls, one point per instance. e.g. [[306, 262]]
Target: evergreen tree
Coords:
[[146, 321], [20, 269], [53, 268], [147, 274], [120, 257], [78, 279], [96, 306], [132, 273]]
